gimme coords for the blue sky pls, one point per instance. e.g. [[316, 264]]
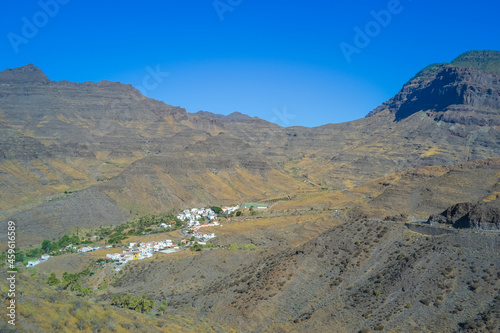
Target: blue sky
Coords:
[[279, 60]]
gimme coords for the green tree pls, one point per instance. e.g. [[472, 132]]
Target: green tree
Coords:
[[162, 307], [53, 280], [20, 256], [239, 213], [216, 209], [125, 301], [134, 303], [196, 247], [148, 305], [46, 245], [35, 253]]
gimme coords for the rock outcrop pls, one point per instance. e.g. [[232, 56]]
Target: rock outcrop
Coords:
[[482, 216]]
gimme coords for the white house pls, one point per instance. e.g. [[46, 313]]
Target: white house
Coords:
[[32, 263], [228, 210]]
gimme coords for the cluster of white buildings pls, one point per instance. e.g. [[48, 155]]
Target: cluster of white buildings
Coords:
[[201, 236], [192, 216], [141, 251]]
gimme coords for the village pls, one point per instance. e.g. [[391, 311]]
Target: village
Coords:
[[196, 219]]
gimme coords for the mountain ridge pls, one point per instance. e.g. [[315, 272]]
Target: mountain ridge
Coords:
[[85, 135], [486, 61], [343, 243]]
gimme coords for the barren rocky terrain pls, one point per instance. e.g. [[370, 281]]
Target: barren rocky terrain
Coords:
[[386, 223]]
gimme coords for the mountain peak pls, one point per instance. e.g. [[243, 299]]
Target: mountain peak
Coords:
[[24, 74], [464, 91]]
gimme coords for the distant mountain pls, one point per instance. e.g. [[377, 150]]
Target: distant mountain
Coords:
[[95, 140], [233, 116], [26, 74], [466, 92]]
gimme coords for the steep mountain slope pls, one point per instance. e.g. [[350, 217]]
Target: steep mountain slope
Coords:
[[446, 114], [359, 275], [423, 191], [465, 92], [56, 135], [67, 313], [66, 137], [221, 170], [338, 254], [135, 155]]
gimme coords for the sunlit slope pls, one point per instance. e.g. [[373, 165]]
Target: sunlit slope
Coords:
[[202, 174]]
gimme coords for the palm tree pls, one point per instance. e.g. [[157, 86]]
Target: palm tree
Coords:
[[162, 307], [135, 304], [149, 305], [125, 301], [142, 303]]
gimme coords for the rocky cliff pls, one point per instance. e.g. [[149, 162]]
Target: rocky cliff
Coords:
[[482, 216], [452, 93]]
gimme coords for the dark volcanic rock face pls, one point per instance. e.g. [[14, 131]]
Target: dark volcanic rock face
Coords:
[[452, 214], [450, 94], [485, 216]]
